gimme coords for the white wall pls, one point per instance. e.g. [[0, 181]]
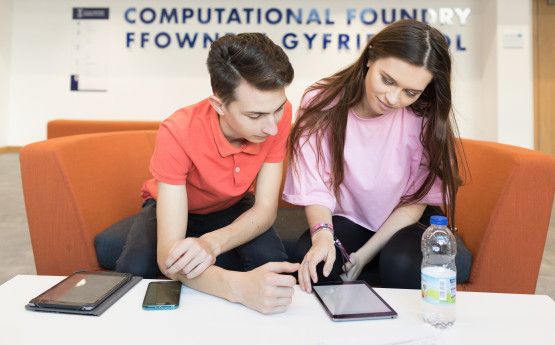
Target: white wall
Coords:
[[150, 83], [5, 44], [480, 121], [515, 75]]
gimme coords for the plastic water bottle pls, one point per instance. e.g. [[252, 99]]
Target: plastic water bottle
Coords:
[[439, 274]]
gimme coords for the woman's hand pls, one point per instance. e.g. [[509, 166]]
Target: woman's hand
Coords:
[[322, 249], [353, 268]]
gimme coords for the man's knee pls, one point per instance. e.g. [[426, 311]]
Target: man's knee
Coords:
[[139, 255], [139, 265], [273, 253], [263, 249], [302, 246]]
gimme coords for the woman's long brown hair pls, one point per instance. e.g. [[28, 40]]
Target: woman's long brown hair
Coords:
[[420, 45]]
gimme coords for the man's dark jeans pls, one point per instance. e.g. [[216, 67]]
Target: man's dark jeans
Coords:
[[139, 254]]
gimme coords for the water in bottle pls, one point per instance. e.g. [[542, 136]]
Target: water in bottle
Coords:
[[439, 274]]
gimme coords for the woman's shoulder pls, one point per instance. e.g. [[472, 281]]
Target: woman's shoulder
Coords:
[[411, 116], [411, 126], [313, 91]]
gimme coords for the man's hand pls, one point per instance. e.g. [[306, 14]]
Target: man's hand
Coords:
[[264, 289], [190, 257], [322, 249]]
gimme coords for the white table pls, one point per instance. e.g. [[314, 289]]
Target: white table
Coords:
[[482, 318]]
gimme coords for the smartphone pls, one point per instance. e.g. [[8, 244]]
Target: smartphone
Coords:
[[162, 295]]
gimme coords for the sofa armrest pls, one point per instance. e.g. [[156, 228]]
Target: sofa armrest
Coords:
[[75, 187], [503, 215]]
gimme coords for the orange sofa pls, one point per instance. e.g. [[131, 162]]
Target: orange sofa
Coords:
[[77, 186], [63, 128]]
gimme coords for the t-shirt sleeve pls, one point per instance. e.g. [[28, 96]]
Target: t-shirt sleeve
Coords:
[[279, 148], [308, 184], [169, 163]]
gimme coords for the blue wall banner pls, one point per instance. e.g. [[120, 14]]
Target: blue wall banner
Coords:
[[190, 28]]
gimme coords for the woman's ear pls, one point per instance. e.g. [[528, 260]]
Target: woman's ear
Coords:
[[216, 103]]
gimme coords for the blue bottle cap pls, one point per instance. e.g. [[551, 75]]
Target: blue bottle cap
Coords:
[[438, 220]]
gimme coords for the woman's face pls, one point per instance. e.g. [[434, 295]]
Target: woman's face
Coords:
[[392, 83]]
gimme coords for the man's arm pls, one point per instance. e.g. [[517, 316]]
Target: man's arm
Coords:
[[256, 220], [192, 256], [171, 218], [262, 289]]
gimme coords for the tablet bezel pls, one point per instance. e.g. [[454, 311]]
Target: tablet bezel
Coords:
[[42, 302], [391, 314]]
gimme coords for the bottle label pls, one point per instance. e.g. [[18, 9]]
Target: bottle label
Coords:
[[439, 289]]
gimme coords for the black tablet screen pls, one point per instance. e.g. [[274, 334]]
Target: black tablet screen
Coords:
[[352, 300], [82, 289]]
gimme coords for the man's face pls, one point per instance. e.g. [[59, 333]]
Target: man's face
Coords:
[[252, 116]]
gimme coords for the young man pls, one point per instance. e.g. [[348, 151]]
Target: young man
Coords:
[[197, 212]]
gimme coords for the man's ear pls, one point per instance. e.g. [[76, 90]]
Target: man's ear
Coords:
[[216, 103]]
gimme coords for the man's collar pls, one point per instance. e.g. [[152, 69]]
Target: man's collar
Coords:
[[225, 148]]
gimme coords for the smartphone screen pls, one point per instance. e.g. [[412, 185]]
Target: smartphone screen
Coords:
[[162, 295]]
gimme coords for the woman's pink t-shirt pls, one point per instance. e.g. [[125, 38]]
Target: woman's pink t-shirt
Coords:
[[384, 161]]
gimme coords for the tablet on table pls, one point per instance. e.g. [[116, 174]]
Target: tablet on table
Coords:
[[81, 291], [352, 300]]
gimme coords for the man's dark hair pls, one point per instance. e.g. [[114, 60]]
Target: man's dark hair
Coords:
[[252, 57]]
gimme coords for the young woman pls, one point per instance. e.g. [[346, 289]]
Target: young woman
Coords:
[[372, 148]]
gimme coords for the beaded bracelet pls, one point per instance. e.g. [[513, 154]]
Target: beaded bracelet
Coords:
[[344, 255], [319, 226]]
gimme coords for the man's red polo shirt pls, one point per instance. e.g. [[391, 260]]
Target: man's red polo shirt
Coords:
[[191, 150]]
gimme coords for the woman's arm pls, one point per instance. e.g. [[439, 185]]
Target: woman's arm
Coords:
[[322, 248], [399, 218]]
